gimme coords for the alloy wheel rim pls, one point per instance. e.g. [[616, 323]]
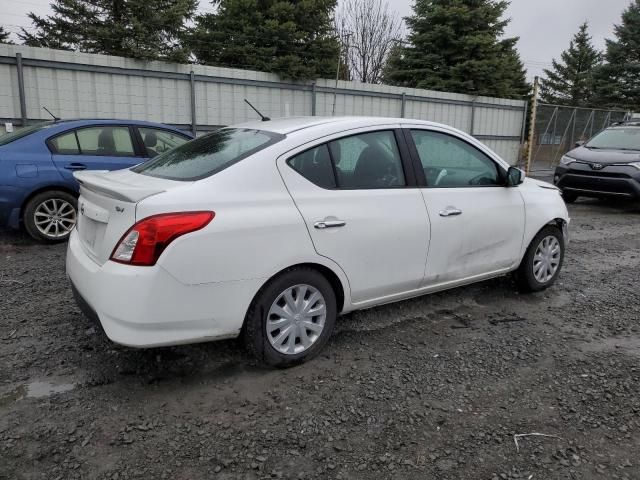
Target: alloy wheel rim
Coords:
[[296, 319], [55, 218], [546, 260]]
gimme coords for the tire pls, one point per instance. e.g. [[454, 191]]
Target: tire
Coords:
[[261, 330], [50, 216], [525, 277], [569, 197]]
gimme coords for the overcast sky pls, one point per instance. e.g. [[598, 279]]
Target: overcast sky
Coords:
[[544, 26]]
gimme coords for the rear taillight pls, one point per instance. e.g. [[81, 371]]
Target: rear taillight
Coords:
[[144, 242]]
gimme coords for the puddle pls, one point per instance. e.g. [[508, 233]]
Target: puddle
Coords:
[[46, 389], [628, 345], [35, 389]]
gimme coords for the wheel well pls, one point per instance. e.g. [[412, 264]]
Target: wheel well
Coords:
[[42, 190], [558, 222], [333, 279]]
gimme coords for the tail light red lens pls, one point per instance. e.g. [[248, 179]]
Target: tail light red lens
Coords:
[[143, 243]]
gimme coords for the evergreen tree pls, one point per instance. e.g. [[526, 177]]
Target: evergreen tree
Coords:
[[293, 38], [144, 29], [619, 77], [457, 46], [4, 35], [571, 81]]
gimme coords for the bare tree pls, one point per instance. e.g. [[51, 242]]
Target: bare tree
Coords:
[[368, 31]]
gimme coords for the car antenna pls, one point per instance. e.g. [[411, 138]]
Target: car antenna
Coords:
[[264, 119], [55, 119]]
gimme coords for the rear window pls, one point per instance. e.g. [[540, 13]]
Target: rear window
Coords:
[[23, 132], [207, 155]]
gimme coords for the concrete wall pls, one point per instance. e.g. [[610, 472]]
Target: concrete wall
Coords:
[[81, 85]]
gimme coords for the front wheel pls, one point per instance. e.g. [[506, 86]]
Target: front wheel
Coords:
[[50, 216], [291, 318], [542, 262]]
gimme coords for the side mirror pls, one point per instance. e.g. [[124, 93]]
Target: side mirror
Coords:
[[580, 143], [515, 177]]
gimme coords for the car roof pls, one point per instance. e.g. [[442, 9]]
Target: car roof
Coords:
[[289, 125], [78, 122]]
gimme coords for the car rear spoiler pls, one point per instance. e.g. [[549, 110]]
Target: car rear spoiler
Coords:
[[119, 184]]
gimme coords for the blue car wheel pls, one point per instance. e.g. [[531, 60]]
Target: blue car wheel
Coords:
[[50, 216]]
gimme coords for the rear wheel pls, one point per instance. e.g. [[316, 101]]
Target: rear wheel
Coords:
[[569, 197], [291, 318], [50, 216], [542, 262]]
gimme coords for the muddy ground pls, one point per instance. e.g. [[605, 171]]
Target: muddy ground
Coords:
[[435, 387]]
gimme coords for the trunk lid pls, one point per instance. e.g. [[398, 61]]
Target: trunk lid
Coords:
[[107, 207]]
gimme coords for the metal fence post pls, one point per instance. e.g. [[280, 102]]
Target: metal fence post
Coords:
[[192, 83], [21, 94], [532, 126], [403, 105], [313, 99], [523, 133], [473, 116]]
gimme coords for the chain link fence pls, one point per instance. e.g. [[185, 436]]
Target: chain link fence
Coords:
[[558, 128]]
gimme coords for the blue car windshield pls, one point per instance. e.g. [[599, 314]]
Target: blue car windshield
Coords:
[[23, 132]]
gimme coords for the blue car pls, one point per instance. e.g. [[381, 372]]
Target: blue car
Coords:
[[37, 188]]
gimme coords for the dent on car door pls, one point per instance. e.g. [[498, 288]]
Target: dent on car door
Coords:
[[104, 147], [477, 222], [361, 210]]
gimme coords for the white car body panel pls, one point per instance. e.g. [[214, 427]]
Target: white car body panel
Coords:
[[486, 237], [383, 246], [394, 245]]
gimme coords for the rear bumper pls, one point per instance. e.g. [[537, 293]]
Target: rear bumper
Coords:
[[147, 307], [621, 182]]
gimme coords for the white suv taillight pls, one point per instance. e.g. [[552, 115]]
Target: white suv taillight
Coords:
[[143, 243]]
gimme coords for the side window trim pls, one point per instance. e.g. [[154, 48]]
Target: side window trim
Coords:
[[138, 144], [417, 164], [404, 150]]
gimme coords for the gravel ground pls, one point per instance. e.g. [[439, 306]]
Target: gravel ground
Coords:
[[435, 387]]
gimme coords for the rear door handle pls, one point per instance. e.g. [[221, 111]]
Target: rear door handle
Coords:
[[450, 212], [329, 224], [76, 166]]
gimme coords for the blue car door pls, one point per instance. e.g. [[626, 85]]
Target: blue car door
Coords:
[[96, 147]]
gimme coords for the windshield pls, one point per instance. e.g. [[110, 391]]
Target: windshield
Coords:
[[207, 155], [23, 132], [617, 139]]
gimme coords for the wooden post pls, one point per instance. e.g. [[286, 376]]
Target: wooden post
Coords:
[[532, 124]]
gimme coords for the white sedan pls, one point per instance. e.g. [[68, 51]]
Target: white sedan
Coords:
[[270, 230]]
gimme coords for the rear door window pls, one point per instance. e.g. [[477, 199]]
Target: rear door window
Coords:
[[65, 144], [106, 140], [208, 155], [315, 166], [368, 160]]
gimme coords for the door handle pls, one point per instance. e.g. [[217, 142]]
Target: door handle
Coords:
[[76, 166], [329, 224], [450, 212]]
